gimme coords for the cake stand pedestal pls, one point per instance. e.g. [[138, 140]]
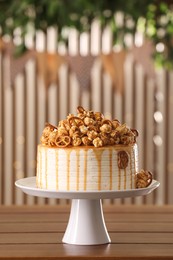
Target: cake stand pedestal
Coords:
[[86, 224]]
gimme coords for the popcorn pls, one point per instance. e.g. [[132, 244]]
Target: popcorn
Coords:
[[88, 121], [106, 128], [92, 135], [115, 123], [83, 129], [87, 128], [76, 141], [73, 130], [97, 142], [86, 141], [98, 116], [62, 131], [105, 138], [52, 138]]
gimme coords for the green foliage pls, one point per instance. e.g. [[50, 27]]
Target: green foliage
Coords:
[[153, 18]]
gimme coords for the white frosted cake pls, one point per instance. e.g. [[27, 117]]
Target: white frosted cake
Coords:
[[88, 152], [87, 168]]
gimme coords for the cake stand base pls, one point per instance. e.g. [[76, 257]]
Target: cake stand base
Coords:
[[86, 224]]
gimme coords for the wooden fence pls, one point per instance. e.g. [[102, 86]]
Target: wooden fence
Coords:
[[28, 104]]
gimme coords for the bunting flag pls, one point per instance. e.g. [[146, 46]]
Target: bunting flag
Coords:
[[17, 64], [1, 44], [48, 66], [81, 66], [143, 56], [113, 64]]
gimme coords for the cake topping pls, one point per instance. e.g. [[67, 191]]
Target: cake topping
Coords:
[[123, 159], [143, 179], [88, 128]]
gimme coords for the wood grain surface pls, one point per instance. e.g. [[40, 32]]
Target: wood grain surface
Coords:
[[137, 232]]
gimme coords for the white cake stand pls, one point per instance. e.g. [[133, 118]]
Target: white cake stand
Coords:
[[86, 224]]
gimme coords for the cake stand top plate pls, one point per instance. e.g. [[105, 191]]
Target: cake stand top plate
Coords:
[[28, 186]]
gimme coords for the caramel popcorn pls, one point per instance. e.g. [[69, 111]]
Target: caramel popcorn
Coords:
[[52, 138], [88, 128], [73, 130], [97, 142], [86, 141], [98, 116], [76, 141], [83, 129], [92, 135], [88, 121], [115, 123], [106, 128], [62, 131]]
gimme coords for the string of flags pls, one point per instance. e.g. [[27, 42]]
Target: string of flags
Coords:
[[48, 64]]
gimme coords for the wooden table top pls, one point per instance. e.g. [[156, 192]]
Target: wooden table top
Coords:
[[137, 232]]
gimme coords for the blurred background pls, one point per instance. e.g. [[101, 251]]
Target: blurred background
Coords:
[[110, 56]]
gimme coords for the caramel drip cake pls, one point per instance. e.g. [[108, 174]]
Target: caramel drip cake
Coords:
[[89, 152]]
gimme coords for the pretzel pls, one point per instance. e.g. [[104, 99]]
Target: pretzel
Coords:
[[115, 123], [63, 141], [123, 159], [52, 127], [144, 179], [135, 132], [107, 122], [74, 120], [80, 109]]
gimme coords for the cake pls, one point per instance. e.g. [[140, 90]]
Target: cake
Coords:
[[87, 152]]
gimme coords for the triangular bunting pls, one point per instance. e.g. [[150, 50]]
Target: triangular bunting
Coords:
[[54, 62], [143, 56], [81, 66], [113, 64], [17, 64], [48, 66], [1, 44]]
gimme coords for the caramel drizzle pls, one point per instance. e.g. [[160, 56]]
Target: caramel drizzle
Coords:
[[68, 169], [119, 178], [125, 179], [56, 155], [85, 169], [110, 165], [98, 155], [77, 169]]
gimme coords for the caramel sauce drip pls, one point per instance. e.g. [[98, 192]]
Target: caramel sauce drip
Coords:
[[77, 169], [68, 168], [119, 178], [98, 154], [110, 165], [125, 179], [85, 168]]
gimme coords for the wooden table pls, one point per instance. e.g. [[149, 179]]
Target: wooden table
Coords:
[[137, 232]]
